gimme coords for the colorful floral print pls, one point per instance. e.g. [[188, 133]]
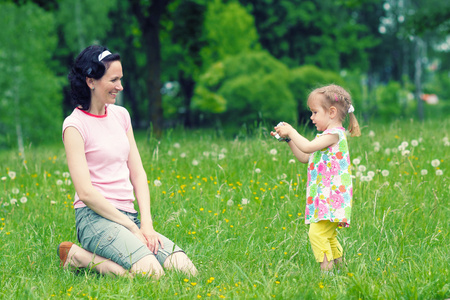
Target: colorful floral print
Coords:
[[329, 189]]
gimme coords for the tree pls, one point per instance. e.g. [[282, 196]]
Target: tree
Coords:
[[324, 33], [246, 88], [149, 16], [30, 92]]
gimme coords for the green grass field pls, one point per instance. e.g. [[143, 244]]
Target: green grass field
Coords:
[[237, 207]]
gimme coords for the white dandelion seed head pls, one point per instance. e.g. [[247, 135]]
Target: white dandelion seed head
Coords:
[[446, 144], [445, 139], [405, 144], [274, 158], [66, 174], [4, 178], [377, 144], [224, 150], [356, 161], [371, 133], [170, 153], [385, 173], [292, 161], [358, 174], [387, 151], [6, 204], [15, 191], [424, 172], [371, 174], [362, 168], [13, 201], [52, 202], [157, 182], [206, 153], [414, 143], [244, 201], [68, 182], [23, 199], [183, 155], [439, 172], [12, 174], [405, 152], [435, 163], [230, 202], [176, 145], [257, 170], [376, 149], [195, 162], [400, 148], [273, 151], [221, 156], [59, 182]]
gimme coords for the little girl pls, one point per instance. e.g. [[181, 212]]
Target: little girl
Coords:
[[329, 188]]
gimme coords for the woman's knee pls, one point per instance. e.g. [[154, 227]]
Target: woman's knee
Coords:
[[148, 265], [180, 261]]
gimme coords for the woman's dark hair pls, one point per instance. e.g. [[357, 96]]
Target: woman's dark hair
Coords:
[[87, 65]]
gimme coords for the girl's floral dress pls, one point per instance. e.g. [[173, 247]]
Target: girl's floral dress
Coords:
[[329, 188]]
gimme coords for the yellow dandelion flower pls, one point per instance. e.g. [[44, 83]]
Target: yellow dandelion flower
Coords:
[[193, 283], [186, 280]]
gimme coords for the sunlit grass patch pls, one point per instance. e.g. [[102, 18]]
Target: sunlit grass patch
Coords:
[[237, 207]]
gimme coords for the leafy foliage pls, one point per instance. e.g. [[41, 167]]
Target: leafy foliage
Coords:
[[30, 92], [247, 87]]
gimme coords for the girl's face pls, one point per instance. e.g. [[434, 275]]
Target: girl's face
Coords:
[[107, 87], [319, 115]]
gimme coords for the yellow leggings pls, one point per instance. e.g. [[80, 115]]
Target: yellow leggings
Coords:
[[323, 240]]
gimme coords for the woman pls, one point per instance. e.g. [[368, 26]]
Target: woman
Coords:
[[108, 175]]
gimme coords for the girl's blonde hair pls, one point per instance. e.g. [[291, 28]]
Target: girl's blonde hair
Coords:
[[338, 97]]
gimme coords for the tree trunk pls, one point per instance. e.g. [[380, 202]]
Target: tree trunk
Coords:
[[149, 21], [418, 77], [187, 89]]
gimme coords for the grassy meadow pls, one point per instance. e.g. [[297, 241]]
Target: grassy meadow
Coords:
[[236, 205]]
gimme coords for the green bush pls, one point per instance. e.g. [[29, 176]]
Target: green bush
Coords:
[[244, 88], [306, 78]]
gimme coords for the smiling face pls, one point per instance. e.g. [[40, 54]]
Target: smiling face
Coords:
[[106, 88], [319, 115]]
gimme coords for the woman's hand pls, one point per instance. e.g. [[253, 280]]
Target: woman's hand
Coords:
[[152, 238], [137, 232]]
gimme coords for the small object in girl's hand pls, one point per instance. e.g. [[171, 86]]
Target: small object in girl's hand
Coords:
[[277, 136]]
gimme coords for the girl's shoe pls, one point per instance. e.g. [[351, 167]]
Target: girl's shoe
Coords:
[[63, 252]]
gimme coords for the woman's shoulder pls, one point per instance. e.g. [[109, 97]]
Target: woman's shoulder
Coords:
[[117, 109]]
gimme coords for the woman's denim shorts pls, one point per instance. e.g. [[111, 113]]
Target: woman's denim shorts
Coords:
[[114, 241]]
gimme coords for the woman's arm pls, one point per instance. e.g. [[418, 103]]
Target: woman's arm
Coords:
[[79, 171], [139, 181]]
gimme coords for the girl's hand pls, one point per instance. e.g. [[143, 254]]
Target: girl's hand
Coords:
[[152, 239], [283, 130]]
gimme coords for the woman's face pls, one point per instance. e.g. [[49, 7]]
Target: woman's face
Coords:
[[106, 88]]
